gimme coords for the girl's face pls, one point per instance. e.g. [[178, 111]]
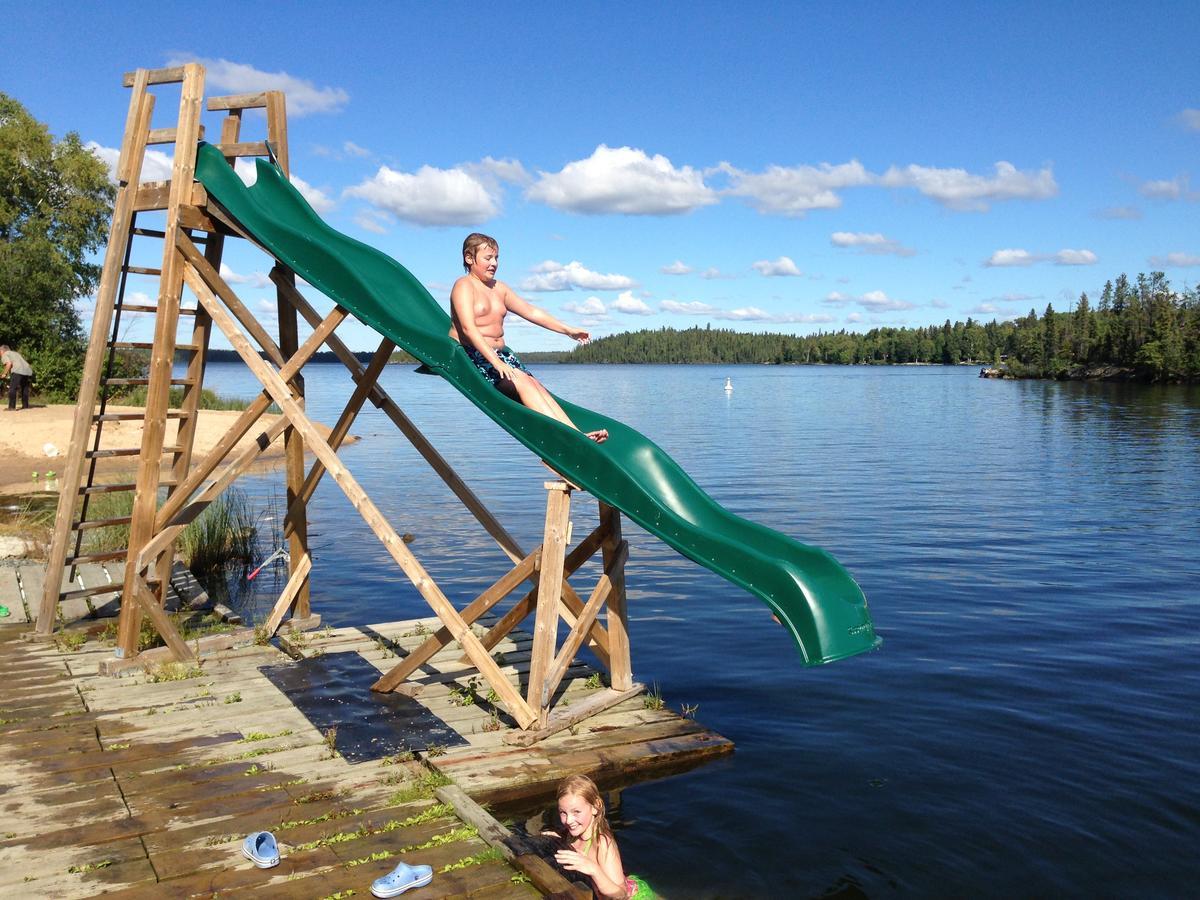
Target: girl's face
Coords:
[[576, 815]]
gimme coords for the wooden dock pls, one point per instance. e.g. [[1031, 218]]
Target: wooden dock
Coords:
[[145, 785]]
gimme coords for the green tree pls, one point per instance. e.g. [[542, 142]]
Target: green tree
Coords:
[[55, 205]]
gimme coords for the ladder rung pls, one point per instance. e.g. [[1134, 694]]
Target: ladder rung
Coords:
[[149, 232], [156, 76], [141, 307], [133, 416], [120, 488], [101, 523], [142, 270], [106, 556], [253, 148], [148, 345], [107, 489], [238, 101], [146, 381], [165, 135], [126, 451], [114, 588]]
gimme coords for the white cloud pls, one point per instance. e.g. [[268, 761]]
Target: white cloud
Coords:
[[987, 309], [1189, 119], [491, 171], [869, 242], [1011, 258], [873, 301], [630, 305], [430, 196], [317, 199], [854, 317], [1016, 257], [712, 273], [958, 189], [254, 279], [156, 165], [373, 220], [623, 180], [303, 97], [352, 149], [1119, 212], [741, 314], [592, 306], [1075, 258], [554, 276], [1175, 260], [780, 267], [676, 268], [1177, 188], [794, 191]]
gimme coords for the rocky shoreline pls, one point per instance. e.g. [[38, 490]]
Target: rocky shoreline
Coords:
[[1075, 373]]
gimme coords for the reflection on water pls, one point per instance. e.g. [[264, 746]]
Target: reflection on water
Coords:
[[1029, 553]]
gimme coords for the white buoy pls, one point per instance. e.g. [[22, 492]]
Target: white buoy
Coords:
[[728, 383]]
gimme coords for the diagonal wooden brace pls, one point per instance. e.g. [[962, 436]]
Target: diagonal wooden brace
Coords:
[[440, 638], [288, 597], [160, 620]]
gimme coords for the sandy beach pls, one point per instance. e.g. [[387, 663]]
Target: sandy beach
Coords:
[[29, 438]]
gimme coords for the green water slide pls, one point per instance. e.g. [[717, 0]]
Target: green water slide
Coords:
[[810, 593]]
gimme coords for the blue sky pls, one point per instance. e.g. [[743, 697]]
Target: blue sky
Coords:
[[781, 167]]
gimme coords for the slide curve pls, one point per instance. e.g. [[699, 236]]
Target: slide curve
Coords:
[[814, 598]]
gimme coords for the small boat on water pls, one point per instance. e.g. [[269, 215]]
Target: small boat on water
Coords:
[[728, 383]]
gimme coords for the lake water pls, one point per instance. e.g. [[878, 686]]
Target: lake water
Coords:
[[1029, 551]]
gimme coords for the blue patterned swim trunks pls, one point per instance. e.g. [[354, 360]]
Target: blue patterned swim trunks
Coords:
[[488, 370]]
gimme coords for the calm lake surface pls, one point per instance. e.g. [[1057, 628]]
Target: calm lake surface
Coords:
[[1029, 551]]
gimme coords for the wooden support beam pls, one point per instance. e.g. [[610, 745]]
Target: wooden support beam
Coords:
[[574, 640], [565, 717], [550, 581], [163, 355], [158, 616], [576, 558], [155, 76], [238, 101], [620, 666], [250, 148], [440, 638], [170, 530], [322, 332], [362, 502], [342, 428], [291, 591]]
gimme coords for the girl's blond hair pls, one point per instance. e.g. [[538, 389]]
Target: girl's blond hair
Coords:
[[584, 788], [474, 241]]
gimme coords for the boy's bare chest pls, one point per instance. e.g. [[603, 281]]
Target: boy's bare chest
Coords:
[[487, 305]]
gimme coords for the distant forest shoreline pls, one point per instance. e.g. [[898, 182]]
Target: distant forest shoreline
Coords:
[[1138, 331]]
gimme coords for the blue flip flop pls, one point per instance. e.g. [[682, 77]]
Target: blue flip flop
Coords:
[[400, 879], [260, 848]]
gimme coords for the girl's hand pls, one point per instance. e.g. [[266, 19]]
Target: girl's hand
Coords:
[[576, 862], [579, 334], [504, 370]]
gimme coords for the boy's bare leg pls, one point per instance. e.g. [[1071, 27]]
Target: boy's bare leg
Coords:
[[532, 394]]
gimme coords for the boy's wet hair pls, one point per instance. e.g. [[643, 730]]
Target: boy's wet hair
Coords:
[[474, 241]]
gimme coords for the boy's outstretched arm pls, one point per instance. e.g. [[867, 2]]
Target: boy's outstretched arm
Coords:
[[538, 316]]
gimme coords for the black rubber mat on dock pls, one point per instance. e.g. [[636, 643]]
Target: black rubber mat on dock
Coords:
[[334, 691]]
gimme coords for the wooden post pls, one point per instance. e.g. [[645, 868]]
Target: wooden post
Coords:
[[162, 357], [620, 667], [545, 627]]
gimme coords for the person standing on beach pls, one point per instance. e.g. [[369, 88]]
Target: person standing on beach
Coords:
[[19, 374], [478, 305]]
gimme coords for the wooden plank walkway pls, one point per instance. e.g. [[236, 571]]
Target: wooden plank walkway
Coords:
[[636, 739], [144, 786]]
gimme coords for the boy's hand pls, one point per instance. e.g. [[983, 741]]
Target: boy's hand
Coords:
[[579, 334]]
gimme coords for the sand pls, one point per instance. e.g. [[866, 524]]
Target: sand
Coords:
[[28, 437]]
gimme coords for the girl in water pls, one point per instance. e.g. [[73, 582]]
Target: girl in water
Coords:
[[591, 848]]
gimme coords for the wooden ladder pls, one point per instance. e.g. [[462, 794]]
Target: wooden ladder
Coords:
[[182, 201]]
